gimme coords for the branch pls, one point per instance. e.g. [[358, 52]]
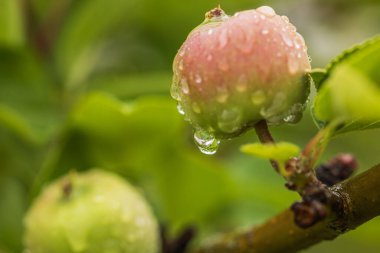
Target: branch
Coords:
[[359, 200]]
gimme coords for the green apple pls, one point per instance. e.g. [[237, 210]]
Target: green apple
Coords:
[[91, 212]]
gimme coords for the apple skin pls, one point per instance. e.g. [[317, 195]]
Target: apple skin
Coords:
[[90, 212], [233, 71]]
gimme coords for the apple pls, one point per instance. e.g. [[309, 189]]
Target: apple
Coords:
[[91, 212]]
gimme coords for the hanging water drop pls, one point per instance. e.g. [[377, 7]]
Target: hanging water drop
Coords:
[[206, 142]]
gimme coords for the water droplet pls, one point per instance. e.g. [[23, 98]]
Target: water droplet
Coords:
[[255, 19], [273, 113], [181, 52], [267, 11], [294, 114], [293, 65], [297, 45], [288, 41], [292, 28], [299, 55], [262, 17], [210, 31], [196, 107], [265, 31], [301, 39], [241, 87], [285, 18], [258, 97], [289, 118], [237, 14], [229, 120], [198, 79], [180, 109], [180, 65], [242, 83], [185, 86], [223, 38], [206, 142], [222, 96], [174, 91]]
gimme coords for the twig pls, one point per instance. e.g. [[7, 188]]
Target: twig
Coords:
[[358, 199]]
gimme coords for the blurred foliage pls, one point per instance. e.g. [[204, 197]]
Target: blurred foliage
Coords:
[[86, 84]]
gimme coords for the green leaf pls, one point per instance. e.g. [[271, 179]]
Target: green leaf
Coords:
[[317, 75], [12, 208], [349, 92], [360, 55], [16, 124], [280, 151], [133, 85], [84, 41], [144, 140], [11, 23]]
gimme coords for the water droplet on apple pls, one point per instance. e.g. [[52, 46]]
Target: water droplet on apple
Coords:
[[206, 142]]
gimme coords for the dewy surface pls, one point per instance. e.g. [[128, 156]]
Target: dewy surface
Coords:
[[233, 71]]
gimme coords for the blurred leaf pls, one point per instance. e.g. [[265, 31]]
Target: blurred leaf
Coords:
[[317, 75], [11, 23], [16, 124], [360, 56], [26, 90], [133, 85], [81, 41], [350, 90], [12, 207], [144, 141], [280, 151], [358, 105]]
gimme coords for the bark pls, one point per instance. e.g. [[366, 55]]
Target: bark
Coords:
[[359, 199]]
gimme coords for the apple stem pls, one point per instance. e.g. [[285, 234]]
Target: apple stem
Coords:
[[265, 136]]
